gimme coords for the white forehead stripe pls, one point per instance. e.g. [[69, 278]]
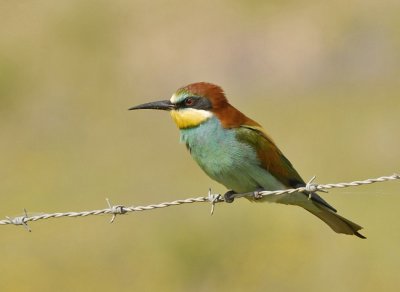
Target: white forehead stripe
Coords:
[[174, 98]]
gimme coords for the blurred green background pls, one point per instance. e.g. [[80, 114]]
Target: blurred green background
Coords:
[[322, 77]]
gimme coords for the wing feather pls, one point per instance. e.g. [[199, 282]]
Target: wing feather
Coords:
[[272, 159]]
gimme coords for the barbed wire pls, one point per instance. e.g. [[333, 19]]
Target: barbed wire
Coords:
[[115, 210]]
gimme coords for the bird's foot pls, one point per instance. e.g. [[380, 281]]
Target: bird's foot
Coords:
[[229, 196], [257, 194]]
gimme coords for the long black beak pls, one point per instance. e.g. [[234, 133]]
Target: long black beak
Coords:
[[164, 105]]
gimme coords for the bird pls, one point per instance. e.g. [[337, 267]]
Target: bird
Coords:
[[236, 151]]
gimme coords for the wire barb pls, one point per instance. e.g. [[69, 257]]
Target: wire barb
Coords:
[[20, 220], [115, 210], [217, 198], [311, 187], [211, 198]]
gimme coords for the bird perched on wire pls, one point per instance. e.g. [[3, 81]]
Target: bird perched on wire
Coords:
[[235, 151]]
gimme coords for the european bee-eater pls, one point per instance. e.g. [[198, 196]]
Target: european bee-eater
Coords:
[[235, 151]]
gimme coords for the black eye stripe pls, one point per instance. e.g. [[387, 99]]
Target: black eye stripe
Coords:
[[195, 102]]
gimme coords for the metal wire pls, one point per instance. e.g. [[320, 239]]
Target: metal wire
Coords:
[[115, 210]]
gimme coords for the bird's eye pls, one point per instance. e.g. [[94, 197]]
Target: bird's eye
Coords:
[[189, 101]]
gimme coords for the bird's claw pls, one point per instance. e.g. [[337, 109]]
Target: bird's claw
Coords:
[[257, 195], [229, 197]]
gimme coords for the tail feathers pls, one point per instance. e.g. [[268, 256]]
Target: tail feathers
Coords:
[[320, 208], [338, 223], [320, 200]]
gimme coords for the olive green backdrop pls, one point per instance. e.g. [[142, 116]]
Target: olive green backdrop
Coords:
[[322, 77]]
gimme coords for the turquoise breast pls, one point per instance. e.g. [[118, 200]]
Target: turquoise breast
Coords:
[[222, 157]]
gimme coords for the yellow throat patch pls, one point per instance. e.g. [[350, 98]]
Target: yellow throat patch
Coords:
[[189, 117]]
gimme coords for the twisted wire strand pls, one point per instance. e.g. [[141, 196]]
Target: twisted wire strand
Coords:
[[115, 210]]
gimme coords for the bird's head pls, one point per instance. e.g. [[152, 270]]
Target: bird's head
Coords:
[[191, 105]]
